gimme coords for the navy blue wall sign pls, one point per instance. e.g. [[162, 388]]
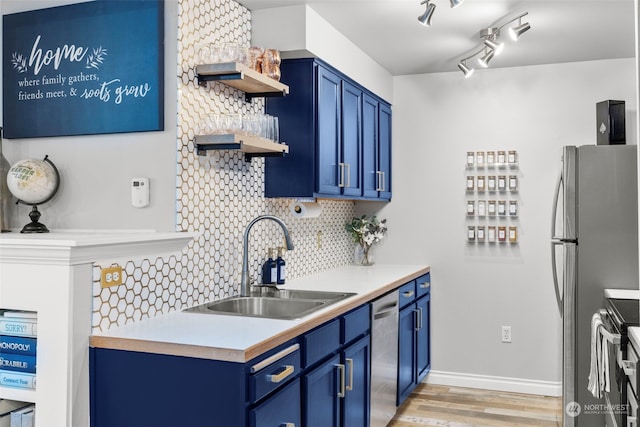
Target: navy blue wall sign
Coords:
[[82, 69]]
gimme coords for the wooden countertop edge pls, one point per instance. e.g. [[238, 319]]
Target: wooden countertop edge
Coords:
[[240, 356]]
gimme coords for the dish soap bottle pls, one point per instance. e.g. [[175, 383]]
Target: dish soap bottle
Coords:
[[269, 270], [281, 268]]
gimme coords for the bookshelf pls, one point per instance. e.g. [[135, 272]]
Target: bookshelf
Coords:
[[52, 274]]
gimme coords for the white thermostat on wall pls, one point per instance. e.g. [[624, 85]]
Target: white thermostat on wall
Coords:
[[140, 192]]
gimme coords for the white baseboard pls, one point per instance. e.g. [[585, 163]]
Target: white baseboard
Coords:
[[517, 385]]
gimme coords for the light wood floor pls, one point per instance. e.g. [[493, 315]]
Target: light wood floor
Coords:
[[431, 405]]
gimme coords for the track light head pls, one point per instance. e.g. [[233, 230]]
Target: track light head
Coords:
[[496, 46], [516, 32], [425, 18], [456, 3], [462, 65], [484, 60]]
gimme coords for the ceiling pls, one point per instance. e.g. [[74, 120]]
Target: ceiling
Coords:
[[561, 30]]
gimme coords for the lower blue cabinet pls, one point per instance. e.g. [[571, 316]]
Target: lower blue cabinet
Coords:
[[337, 391], [414, 352]]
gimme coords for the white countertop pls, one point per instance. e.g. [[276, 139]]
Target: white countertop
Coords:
[[239, 338]]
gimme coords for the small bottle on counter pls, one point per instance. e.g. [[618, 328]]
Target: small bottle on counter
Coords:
[[281, 268], [269, 270]]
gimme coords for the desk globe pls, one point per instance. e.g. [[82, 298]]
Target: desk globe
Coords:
[[33, 182]]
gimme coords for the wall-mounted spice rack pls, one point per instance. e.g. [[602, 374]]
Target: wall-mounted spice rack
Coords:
[[492, 205]]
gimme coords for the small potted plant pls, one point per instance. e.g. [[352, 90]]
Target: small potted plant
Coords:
[[366, 232]]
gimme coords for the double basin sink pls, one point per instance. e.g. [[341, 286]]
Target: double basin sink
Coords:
[[273, 303]]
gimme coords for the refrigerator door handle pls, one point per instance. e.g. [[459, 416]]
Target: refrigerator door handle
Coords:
[[555, 275], [556, 241], [554, 212]]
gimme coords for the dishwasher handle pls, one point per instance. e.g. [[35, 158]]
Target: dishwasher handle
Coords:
[[386, 311]]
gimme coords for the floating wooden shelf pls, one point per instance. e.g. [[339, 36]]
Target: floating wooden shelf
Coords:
[[251, 146], [241, 77]]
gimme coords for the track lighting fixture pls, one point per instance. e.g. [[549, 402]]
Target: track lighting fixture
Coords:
[[491, 45], [425, 18]]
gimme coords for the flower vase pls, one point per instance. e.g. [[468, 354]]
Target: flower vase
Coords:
[[363, 255]]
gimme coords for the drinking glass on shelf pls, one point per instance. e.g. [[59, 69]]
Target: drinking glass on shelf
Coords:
[[229, 53]]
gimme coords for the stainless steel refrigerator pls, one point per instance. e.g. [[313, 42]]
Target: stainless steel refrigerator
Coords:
[[594, 246]]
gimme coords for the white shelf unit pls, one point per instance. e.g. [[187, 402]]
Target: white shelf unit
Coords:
[[52, 274]]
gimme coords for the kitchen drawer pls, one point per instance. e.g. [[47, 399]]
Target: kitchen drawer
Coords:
[[321, 342], [407, 293], [282, 409], [274, 371], [423, 285], [355, 324]]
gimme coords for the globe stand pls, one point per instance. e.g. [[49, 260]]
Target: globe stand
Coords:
[[34, 226]]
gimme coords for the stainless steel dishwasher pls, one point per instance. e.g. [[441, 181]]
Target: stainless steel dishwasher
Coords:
[[384, 358]]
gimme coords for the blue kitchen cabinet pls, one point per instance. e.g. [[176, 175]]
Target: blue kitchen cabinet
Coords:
[[293, 384], [414, 347], [376, 148], [337, 385], [131, 388], [322, 120]]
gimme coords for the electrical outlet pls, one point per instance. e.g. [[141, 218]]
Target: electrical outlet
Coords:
[[111, 276], [506, 334]]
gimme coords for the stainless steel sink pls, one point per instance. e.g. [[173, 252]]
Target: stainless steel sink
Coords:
[[272, 303]]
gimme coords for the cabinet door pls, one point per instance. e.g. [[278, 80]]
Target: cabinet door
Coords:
[[358, 373], [423, 359], [321, 401], [370, 178], [406, 352], [384, 151], [351, 164], [281, 409], [329, 134]]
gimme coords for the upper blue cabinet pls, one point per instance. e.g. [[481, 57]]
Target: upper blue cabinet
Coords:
[[339, 136]]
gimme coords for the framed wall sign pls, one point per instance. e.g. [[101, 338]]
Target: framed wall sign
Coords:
[[82, 69]]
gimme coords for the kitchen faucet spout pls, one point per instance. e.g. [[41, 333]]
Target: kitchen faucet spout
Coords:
[[244, 282]]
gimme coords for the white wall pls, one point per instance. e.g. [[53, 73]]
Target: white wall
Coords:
[[96, 170], [476, 289], [301, 32]]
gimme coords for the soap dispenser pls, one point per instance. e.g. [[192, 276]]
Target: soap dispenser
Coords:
[[269, 270], [281, 268]]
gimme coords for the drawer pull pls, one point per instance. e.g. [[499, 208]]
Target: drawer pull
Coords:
[[350, 363], [425, 285], [407, 294], [276, 378], [288, 425]]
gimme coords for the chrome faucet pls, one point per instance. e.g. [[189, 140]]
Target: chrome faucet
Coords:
[[244, 282]]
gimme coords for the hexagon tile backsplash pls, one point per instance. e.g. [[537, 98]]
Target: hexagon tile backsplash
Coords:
[[217, 195]]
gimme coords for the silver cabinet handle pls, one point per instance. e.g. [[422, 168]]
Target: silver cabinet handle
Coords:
[[420, 318], [288, 425], [341, 181], [416, 320], [350, 363], [380, 176], [424, 285], [348, 170], [341, 390], [407, 294]]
